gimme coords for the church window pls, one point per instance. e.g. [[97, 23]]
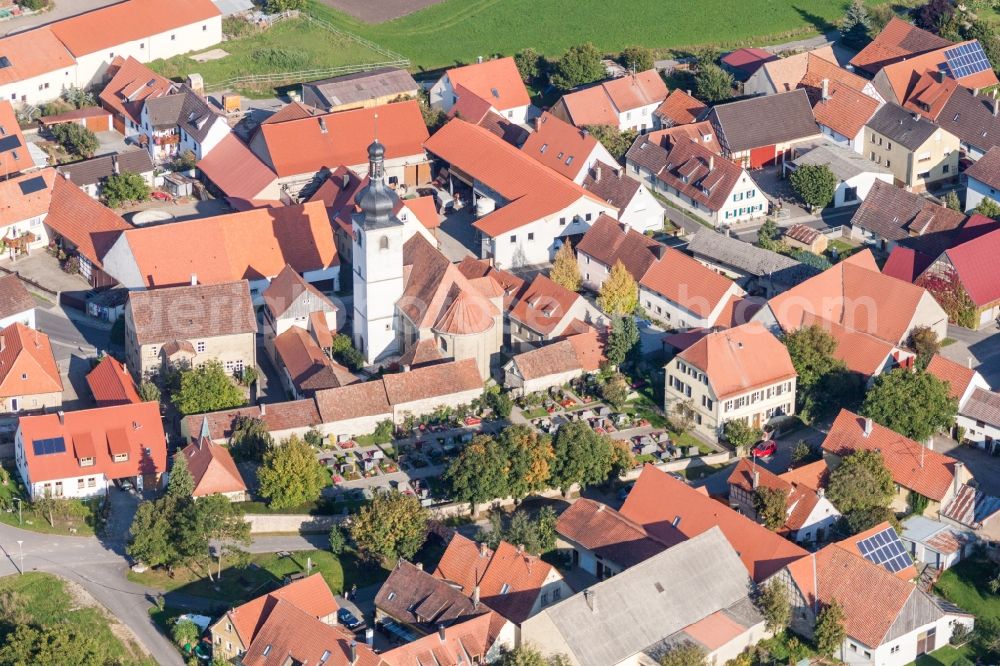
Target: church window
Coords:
[[383, 243]]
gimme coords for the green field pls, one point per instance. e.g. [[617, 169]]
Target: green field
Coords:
[[456, 31], [44, 600], [290, 46]]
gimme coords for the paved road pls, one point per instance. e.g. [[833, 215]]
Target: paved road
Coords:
[[72, 337], [980, 348], [63, 9]]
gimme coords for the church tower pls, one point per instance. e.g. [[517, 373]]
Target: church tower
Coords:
[[377, 255]]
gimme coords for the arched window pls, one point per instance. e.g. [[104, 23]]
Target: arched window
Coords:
[[383, 243]]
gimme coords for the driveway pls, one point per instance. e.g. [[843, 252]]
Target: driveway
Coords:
[[43, 268], [980, 349], [457, 238]]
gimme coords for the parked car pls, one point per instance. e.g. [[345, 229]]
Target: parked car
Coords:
[[349, 620], [765, 449]]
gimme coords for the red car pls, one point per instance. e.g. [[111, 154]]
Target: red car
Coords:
[[765, 449]]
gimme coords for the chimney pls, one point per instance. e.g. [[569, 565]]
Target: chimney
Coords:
[[354, 652], [688, 91], [194, 279], [479, 59], [346, 180], [482, 549], [590, 596], [711, 162], [826, 88], [114, 164], [756, 479], [62, 417], [441, 632], [520, 549], [868, 427], [821, 492], [959, 473], [419, 566], [968, 362], [263, 409], [597, 173], [585, 132], [322, 125], [475, 596]]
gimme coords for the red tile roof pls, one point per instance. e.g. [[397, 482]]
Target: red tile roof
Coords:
[[213, 469], [975, 263], [688, 283], [957, 375], [898, 40], [84, 222], [801, 497], [611, 535], [236, 171], [27, 366], [813, 476], [310, 595], [111, 384], [433, 381], [850, 544], [465, 642], [307, 145], [559, 145], [608, 241], [987, 168], [748, 60], [544, 305], [680, 108], [424, 352], [740, 359], [534, 191], [906, 264], [904, 75], [33, 53], [14, 298], [510, 284], [913, 466], [845, 110], [496, 81], [15, 157], [135, 428], [662, 504], [251, 245], [16, 206], [308, 367], [291, 636], [746, 471], [582, 351], [509, 579], [600, 104]]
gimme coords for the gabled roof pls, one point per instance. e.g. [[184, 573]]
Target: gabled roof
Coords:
[[957, 375], [983, 406], [971, 507], [309, 369], [111, 384], [975, 263], [899, 125], [748, 258], [477, 269], [861, 352], [129, 22], [895, 214], [412, 596], [307, 145], [86, 223], [311, 595], [821, 66], [739, 128], [748, 60], [192, 312], [601, 103], [533, 190], [33, 53], [236, 171], [27, 366], [251, 245], [680, 108], [845, 110], [559, 146], [466, 642], [662, 505], [987, 169], [610, 184], [903, 75], [26, 196], [786, 73], [897, 41], [579, 352], [544, 305], [432, 381], [509, 580], [14, 155], [287, 287], [913, 466], [277, 416], [740, 359], [363, 86], [970, 117], [608, 241], [135, 429], [130, 85], [906, 264], [688, 283], [290, 636], [856, 545], [97, 169], [212, 468], [801, 497], [496, 81], [184, 109], [14, 298]]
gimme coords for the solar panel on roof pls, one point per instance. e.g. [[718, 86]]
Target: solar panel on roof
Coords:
[[9, 142], [44, 447], [4, 62], [32, 185], [966, 60], [885, 549]]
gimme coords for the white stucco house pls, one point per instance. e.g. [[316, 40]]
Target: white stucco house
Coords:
[[983, 180], [855, 173], [493, 83]]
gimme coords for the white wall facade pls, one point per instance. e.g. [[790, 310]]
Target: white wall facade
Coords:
[[819, 522], [85, 485], [27, 318], [643, 213], [639, 119], [862, 184], [662, 308], [42, 88], [219, 131], [34, 225], [976, 191], [442, 96], [378, 284], [903, 650]]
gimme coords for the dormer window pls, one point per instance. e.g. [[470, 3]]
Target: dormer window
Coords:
[[120, 457], [86, 462]]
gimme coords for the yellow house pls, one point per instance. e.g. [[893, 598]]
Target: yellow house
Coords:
[[917, 152]]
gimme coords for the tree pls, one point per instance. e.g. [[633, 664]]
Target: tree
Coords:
[[393, 525], [185, 633], [277, 6], [338, 540], [529, 455], [619, 293], [616, 141], [802, 453], [478, 474], [684, 653], [75, 139], [580, 64], [917, 502], [913, 403], [741, 435], [925, 342], [934, 15], [185, 161], [383, 432], [291, 475], [527, 655], [501, 403], [206, 388], [989, 208], [77, 97], [861, 481], [180, 483], [815, 184], [771, 506], [581, 456], [61, 643], [536, 533], [767, 235], [149, 391], [986, 638], [248, 376], [622, 340], [984, 31], [343, 352], [529, 64], [859, 520], [636, 58], [829, 633], [151, 536], [823, 380], [565, 271], [951, 201], [713, 84], [775, 606], [616, 390], [855, 27], [124, 188], [809, 259], [250, 439]]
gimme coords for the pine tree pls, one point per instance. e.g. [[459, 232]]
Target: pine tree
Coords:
[[565, 271], [619, 293], [181, 484], [856, 25]]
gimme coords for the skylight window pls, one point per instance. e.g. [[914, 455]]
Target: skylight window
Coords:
[[505, 589]]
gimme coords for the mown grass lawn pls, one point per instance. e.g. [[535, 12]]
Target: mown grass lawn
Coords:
[[266, 572], [46, 601], [456, 31], [965, 585], [945, 656], [289, 46]]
